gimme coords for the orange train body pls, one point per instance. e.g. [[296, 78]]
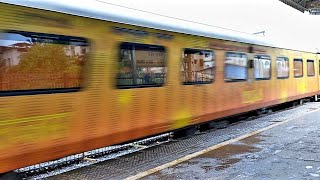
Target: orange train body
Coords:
[[40, 127]]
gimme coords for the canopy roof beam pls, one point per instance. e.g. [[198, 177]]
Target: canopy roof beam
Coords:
[[297, 4]]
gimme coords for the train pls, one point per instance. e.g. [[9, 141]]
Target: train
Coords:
[[77, 77]]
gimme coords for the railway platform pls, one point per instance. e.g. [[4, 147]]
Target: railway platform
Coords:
[[279, 145]]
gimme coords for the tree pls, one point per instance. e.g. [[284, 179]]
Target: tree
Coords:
[[42, 57]]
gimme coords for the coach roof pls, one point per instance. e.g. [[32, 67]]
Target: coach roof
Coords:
[[108, 12]]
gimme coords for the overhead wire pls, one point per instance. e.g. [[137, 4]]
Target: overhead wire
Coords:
[[181, 19]]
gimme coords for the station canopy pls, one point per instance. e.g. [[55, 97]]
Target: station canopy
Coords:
[[311, 6]]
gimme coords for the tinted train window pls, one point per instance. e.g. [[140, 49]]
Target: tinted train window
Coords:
[[262, 67], [34, 61], [310, 67], [197, 66], [141, 65], [235, 67], [298, 67], [282, 67]]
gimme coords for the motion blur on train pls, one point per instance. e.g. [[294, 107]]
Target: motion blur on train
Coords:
[[75, 78]]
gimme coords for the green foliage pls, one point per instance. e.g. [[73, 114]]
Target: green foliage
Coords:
[[41, 58]]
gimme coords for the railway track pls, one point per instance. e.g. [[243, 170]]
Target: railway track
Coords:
[[51, 168]]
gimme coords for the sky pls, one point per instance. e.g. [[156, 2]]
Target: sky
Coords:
[[284, 25]]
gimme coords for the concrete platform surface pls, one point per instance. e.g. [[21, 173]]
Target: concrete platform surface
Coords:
[[288, 151]]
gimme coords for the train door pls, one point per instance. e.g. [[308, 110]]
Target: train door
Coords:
[[197, 68], [259, 68], [142, 71]]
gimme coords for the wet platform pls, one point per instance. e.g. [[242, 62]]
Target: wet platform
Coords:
[[289, 150]]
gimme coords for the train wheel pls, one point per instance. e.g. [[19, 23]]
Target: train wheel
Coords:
[[261, 111], [206, 126], [301, 101], [296, 103], [221, 124], [189, 131]]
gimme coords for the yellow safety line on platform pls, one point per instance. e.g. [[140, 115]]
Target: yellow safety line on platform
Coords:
[[190, 156]]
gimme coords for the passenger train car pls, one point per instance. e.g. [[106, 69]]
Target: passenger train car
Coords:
[[80, 77]]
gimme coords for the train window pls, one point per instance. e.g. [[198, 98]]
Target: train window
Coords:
[[298, 67], [197, 66], [310, 67], [235, 66], [282, 67], [141, 65], [262, 67], [33, 63]]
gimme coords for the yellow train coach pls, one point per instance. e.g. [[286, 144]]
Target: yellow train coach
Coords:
[[80, 77]]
